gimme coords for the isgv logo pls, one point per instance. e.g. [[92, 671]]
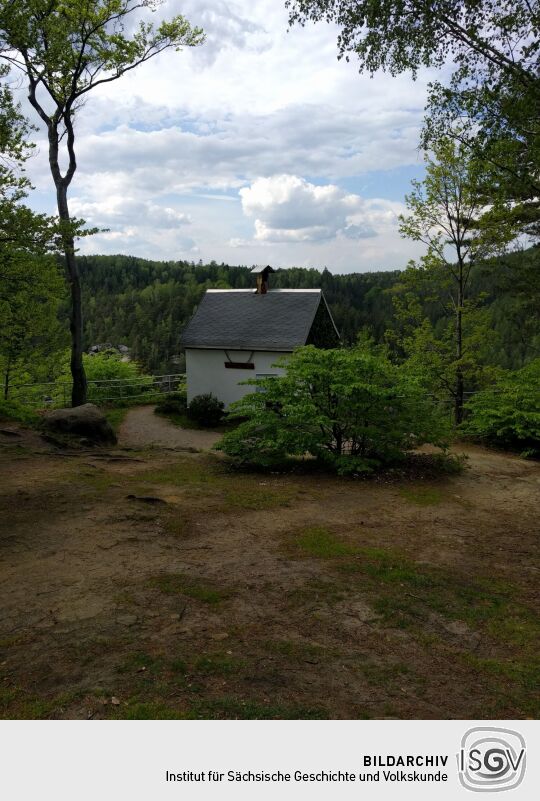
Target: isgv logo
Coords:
[[491, 759]]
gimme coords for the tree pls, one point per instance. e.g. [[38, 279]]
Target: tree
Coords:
[[65, 49], [494, 91], [445, 213], [507, 414], [351, 409], [21, 230], [29, 317], [30, 286]]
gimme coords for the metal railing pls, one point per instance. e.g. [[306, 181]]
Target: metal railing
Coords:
[[57, 394]]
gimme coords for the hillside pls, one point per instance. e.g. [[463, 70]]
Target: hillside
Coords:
[[145, 304]]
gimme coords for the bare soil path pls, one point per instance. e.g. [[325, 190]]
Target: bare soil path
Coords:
[[142, 428], [157, 583]]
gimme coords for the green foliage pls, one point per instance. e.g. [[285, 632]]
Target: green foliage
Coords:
[[30, 283], [11, 410], [354, 411], [64, 50], [28, 312], [124, 380], [173, 403], [70, 47], [146, 304], [445, 214], [493, 92], [206, 410], [507, 414]]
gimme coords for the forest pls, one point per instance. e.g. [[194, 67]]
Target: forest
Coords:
[[462, 318], [145, 304]]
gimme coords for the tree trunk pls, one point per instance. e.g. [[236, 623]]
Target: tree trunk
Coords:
[[78, 392], [459, 391], [458, 405], [6, 379]]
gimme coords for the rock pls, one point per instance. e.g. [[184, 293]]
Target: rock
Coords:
[[83, 421], [127, 620]]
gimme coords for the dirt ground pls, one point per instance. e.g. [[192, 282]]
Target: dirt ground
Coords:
[[142, 428], [148, 582]]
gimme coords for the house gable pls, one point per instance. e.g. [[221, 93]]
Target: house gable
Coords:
[[278, 320], [323, 332]]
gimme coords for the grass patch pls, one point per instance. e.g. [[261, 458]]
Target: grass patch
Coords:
[[224, 708], [510, 681], [179, 666], [320, 542], [145, 710], [179, 584], [252, 497], [392, 567], [178, 526], [218, 664], [422, 496], [182, 420], [15, 704], [13, 411], [316, 590], [115, 415], [526, 674], [408, 592], [96, 479], [184, 472], [136, 661], [227, 708], [296, 651], [384, 675]]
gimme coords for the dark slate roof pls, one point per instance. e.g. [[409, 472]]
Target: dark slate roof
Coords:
[[241, 319]]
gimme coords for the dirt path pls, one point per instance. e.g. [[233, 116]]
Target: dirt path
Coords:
[[141, 427], [155, 583]]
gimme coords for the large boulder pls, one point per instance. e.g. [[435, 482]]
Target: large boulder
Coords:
[[83, 421]]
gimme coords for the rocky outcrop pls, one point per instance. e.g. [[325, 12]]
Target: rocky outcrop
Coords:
[[82, 421]]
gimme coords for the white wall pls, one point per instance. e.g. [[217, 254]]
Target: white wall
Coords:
[[206, 372]]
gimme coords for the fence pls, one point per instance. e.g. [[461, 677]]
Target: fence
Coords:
[[57, 394]]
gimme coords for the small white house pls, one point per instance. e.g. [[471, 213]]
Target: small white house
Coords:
[[237, 334]]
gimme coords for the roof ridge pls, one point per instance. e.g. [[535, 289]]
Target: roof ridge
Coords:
[[270, 291]]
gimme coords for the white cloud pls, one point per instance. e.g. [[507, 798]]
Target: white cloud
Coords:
[[159, 150], [288, 208], [116, 210]]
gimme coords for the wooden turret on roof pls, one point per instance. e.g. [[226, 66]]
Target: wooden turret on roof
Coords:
[[262, 272]]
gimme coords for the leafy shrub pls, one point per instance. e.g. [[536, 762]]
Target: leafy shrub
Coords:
[[206, 410], [353, 410], [173, 403], [507, 414], [11, 410], [125, 382]]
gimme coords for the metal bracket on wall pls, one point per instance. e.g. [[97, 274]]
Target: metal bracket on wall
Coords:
[[249, 365]]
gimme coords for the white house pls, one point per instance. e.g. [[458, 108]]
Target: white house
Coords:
[[237, 334]]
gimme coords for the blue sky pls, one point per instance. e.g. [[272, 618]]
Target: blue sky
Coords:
[[259, 146]]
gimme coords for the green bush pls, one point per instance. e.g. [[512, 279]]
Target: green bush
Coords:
[[206, 410], [11, 410], [352, 410], [507, 414], [173, 403], [125, 382]]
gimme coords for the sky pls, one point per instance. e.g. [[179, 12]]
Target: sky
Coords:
[[258, 147]]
